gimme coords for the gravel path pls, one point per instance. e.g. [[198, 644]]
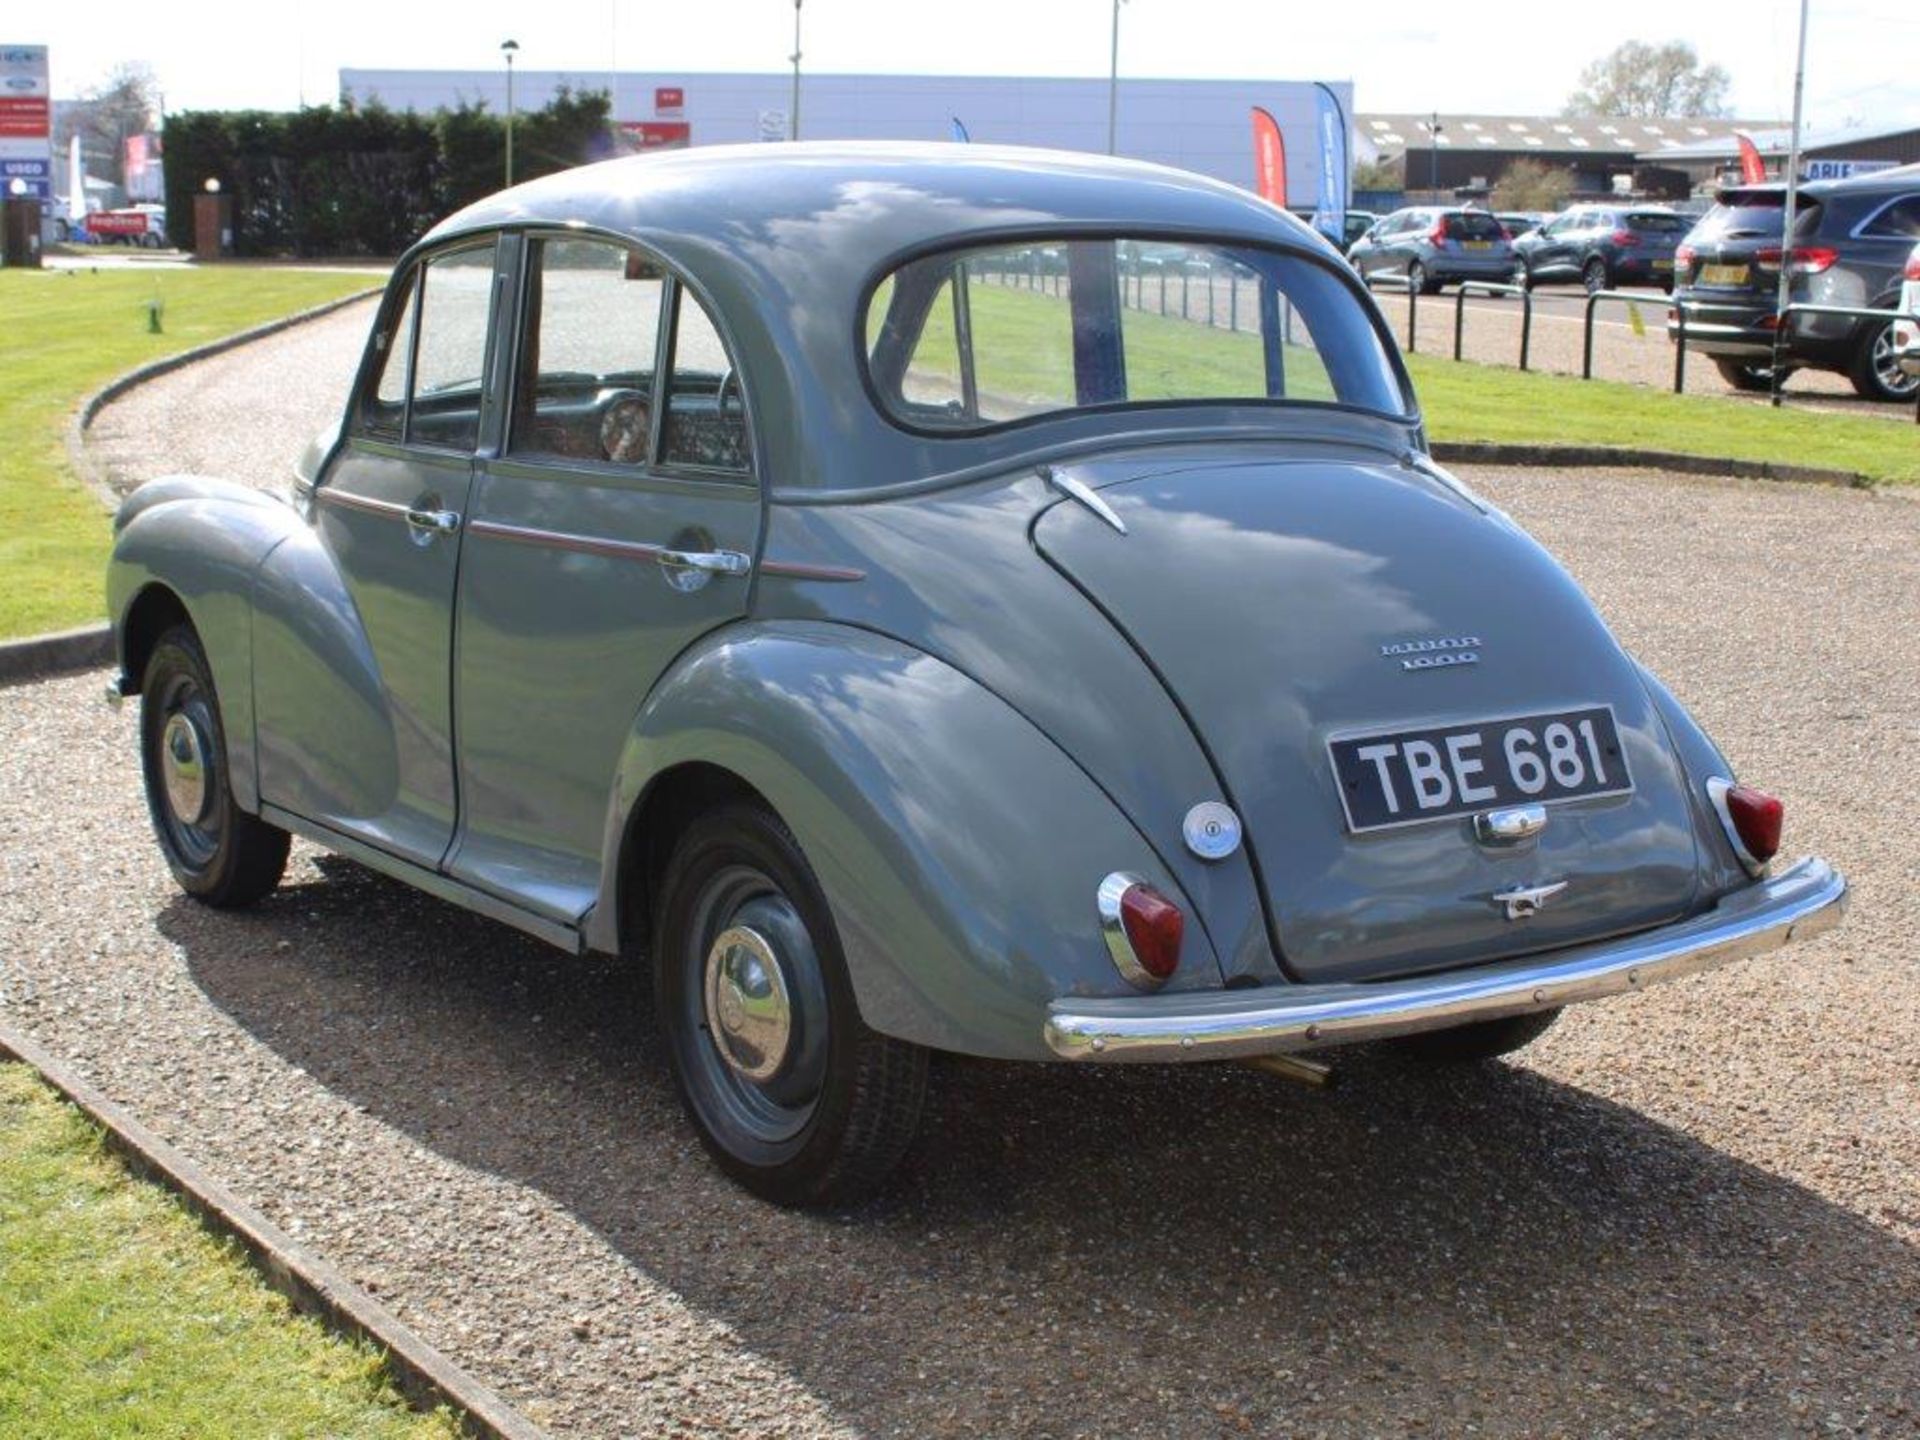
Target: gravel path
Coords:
[[1687, 1212]]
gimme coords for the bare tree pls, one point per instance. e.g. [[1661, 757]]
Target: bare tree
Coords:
[[1529, 184], [126, 103], [1650, 81]]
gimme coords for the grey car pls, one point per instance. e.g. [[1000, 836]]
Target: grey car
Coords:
[[1602, 246], [757, 564], [1428, 247], [1850, 243]]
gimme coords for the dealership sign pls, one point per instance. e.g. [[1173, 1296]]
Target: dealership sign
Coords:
[[669, 100], [1842, 169], [658, 134], [36, 174]]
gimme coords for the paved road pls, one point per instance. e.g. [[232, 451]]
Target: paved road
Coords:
[[1687, 1212]]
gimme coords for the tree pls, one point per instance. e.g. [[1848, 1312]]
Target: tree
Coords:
[[1645, 81], [125, 104], [1377, 175], [1529, 184]]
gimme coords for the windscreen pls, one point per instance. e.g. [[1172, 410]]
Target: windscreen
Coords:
[[967, 340]]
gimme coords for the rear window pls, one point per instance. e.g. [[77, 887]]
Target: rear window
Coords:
[[1655, 223], [1756, 219], [967, 340], [1473, 225]]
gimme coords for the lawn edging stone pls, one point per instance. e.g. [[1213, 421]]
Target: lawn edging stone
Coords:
[[421, 1373], [1487, 452]]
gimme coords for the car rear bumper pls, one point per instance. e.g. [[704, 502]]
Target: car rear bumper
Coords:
[[1801, 901]]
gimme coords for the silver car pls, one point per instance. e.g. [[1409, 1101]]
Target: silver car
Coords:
[[1428, 247], [838, 580]]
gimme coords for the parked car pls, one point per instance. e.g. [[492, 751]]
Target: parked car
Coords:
[[1850, 243], [1906, 333], [1602, 246], [1431, 247], [1520, 222], [1356, 224], [728, 559]]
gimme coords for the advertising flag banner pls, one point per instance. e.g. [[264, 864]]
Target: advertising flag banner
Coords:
[[1330, 199], [960, 131], [1269, 159], [1753, 170]]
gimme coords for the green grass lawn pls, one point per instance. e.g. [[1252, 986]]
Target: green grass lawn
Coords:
[[120, 1316], [1023, 354], [63, 334]]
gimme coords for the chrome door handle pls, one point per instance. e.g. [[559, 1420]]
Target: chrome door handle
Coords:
[[434, 522], [714, 562]]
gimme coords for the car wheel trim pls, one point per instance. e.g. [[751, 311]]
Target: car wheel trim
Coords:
[[189, 765], [755, 1015], [1886, 366]]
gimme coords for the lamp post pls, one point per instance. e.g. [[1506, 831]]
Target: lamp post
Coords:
[[1113, 84], [1433, 154], [509, 48], [793, 110]]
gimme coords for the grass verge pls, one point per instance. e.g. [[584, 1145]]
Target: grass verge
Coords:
[[120, 1316], [68, 332]]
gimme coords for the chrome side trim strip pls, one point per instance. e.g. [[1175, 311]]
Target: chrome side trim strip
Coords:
[[347, 500], [796, 570], [1802, 901], [561, 540]]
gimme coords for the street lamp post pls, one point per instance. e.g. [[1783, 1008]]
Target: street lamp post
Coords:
[[1113, 84], [793, 110], [509, 48], [1433, 155]]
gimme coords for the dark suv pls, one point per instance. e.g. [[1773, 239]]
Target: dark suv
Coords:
[[1850, 241], [1601, 246]]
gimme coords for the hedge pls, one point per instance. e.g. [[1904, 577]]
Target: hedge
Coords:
[[364, 180]]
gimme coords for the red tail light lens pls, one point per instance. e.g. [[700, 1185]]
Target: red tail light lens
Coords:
[[1143, 929], [1625, 237], [1685, 255], [1806, 259], [1438, 234], [1912, 271], [1752, 818]]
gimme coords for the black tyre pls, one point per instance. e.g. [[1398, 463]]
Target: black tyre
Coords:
[[1876, 372], [1747, 375], [221, 855], [1417, 276], [1593, 275], [1485, 1040], [789, 1090]]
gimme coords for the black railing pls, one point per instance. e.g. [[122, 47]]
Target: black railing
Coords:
[[1625, 297], [1774, 376], [1492, 287]]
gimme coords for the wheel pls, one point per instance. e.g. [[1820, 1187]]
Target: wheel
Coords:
[[1747, 375], [1876, 372], [220, 855], [1593, 275], [1418, 279], [789, 1090], [1483, 1040]]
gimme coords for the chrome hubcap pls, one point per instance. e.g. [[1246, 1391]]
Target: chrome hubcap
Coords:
[[749, 1012], [183, 766]]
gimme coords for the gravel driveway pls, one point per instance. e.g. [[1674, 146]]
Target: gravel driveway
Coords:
[[1693, 1211]]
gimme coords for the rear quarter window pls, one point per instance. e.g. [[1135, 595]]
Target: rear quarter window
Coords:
[[1657, 224]]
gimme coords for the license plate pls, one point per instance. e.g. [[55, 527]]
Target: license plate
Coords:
[[1476, 244], [1663, 264], [1389, 778], [1723, 274]]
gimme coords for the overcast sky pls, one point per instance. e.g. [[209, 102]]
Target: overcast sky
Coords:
[[1400, 54]]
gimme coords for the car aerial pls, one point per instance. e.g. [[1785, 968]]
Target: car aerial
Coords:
[[1850, 243], [1601, 246], [750, 562], [1427, 247], [1906, 333]]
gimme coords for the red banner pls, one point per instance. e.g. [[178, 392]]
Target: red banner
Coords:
[[25, 115], [658, 134], [117, 222], [1753, 170], [1269, 159]]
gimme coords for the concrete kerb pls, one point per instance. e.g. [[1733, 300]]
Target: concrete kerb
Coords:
[[422, 1374], [1475, 452]]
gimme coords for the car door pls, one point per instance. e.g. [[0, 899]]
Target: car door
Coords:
[[614, 526], [1548, 254], [353, 639]]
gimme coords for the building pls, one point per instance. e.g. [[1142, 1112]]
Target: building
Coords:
[[1199, 125], [1825, 154], [1465, 155]]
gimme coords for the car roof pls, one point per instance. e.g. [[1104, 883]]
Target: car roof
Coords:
[[783, 242]]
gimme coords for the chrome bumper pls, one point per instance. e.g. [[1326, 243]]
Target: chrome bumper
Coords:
[[1804, 900]]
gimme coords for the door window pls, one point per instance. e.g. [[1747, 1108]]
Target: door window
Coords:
[[1899, 221], [705, 425], [586, 376], [450, 349], [385, 411]]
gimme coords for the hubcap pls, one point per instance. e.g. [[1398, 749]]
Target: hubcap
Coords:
[[748, 1009], [183, 765], [1887, 367]]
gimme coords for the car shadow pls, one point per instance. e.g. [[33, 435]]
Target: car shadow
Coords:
[[1201, 1250]]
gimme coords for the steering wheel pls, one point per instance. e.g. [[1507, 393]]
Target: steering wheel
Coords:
[[730, 380], [626, 423]]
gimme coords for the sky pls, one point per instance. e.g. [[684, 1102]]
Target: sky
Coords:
[[1400, 54]]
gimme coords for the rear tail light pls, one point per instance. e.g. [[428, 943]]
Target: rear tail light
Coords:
[[1625, 237], [1805, 260], [1912, 272], [1143, 930], [1685, 255], [1438, 234], [1752, 819]]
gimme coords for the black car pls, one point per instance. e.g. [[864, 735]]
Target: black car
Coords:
[[1850, 242], [1602, 246]]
